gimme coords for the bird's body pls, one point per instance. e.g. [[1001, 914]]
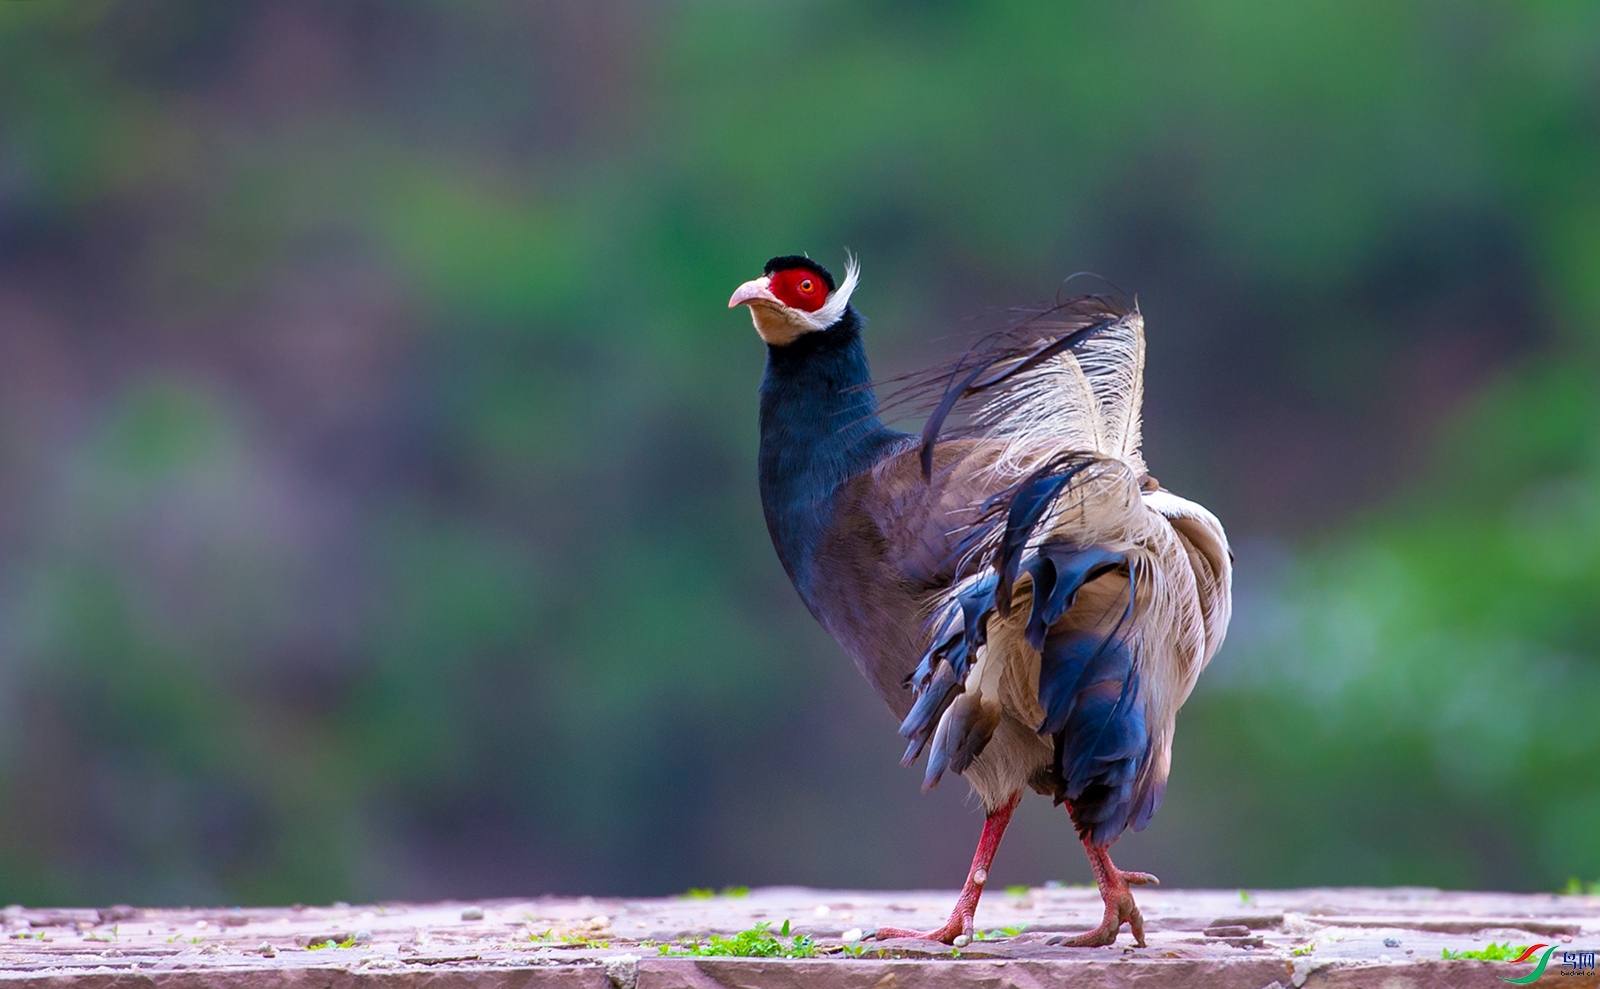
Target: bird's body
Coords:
[[1019, 591]]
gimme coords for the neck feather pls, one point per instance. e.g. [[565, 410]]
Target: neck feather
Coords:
[[819, 428]]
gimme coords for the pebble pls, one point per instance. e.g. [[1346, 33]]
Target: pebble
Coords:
[[267, 950], [961, 941], [1299, 972], [851, 936], [472, 913], [622, 971], [1294, 923], [1390, 942]]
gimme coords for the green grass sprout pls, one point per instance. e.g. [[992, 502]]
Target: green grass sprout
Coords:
[[707, 893], [993, 933], [756, 942], [570, 941], [1493, 953]]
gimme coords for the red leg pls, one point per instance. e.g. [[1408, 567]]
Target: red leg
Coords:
[[960, 922], [1113, 883]]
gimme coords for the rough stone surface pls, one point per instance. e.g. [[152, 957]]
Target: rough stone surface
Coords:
[[1198, 939]]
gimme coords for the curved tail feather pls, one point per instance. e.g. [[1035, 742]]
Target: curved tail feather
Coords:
[[1127, 603]]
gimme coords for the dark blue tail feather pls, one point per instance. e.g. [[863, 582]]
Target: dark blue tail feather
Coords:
[[1058, 571], [1073, 660], [1149, 800], [1093, 706], [1031, 499], [938, 678], [935, 695], [961, 737], [1104, 747]]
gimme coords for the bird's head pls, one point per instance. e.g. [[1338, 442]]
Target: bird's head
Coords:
[[795, 296]]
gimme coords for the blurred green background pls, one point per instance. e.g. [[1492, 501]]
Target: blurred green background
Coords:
[[377, 501]]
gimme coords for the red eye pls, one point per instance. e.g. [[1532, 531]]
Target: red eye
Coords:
[[798, 288]]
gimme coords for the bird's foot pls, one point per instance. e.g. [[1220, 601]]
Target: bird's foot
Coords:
[[1120, 908], [956, 928]]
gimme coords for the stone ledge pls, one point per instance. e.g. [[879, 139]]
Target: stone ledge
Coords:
[[1390, 938]]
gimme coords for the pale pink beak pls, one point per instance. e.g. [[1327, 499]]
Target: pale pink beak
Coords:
[[755, 290]]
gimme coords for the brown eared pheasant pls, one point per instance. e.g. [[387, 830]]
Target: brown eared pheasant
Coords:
[[1013, 583]]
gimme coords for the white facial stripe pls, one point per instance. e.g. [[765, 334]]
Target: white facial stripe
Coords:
[[833, 309]]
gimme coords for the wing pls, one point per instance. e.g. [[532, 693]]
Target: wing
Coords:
[[894, 545]]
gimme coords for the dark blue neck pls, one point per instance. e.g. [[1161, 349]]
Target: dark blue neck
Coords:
[[819, 428]]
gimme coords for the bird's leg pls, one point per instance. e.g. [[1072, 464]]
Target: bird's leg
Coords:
[[960, 922], [1113, 883]]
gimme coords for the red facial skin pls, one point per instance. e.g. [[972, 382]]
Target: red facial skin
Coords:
[[800, 289]]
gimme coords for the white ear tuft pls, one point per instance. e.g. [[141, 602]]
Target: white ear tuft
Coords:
[[833, 309]]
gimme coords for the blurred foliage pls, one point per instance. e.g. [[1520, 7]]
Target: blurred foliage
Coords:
[[377, 513], [1429, 672]]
